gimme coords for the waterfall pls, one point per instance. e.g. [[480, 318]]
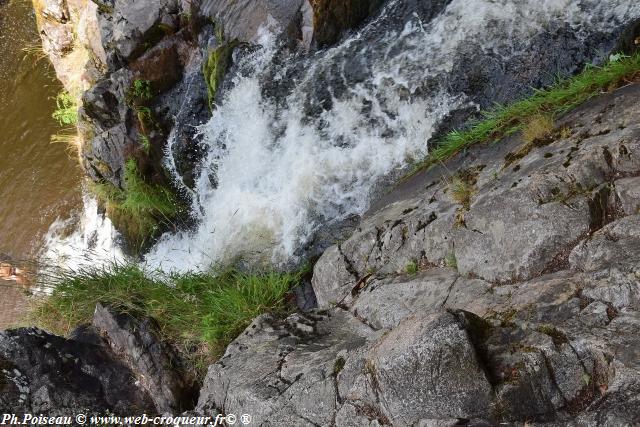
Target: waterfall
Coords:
[[281, 166], [86, 239], [301, 141]]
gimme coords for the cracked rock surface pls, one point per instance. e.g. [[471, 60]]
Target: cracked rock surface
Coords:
[[42, 373], [522, 303]]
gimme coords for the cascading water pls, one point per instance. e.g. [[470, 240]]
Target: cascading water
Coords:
[[281, 165], [300, 141], [86, 239]]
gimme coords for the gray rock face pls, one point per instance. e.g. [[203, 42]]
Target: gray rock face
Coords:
[[529, 206], [522, 304], [427, 368], [45, 374], [156, 365], [284, 373], [243, 19], [308, 369]]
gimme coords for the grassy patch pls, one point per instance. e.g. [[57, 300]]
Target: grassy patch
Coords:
[[538, 127], [552, 102], [215, 67], [66, 112], [198, 313], [139, 209], [145, 143], [461, 191], [411, 268], [139, 92]]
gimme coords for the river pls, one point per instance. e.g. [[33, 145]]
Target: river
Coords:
[[39, 180]]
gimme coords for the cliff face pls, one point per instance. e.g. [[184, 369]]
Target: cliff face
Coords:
[[500, 286], [520, 303]]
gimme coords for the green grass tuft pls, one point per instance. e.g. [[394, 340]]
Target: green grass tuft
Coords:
[[552, 102], [139, 210], [411, 268], [461, 191], [198, 313], [139, 92], [145, 143], [66, 112], [537, 127]]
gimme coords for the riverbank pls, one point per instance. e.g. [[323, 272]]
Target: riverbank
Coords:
[[39, 181]]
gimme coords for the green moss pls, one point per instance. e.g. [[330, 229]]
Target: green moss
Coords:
[[198, 313], [552, 102], [140, 209], [215, 67]]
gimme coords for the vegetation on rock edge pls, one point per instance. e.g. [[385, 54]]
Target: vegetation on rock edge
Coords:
[[549, 103], [198, 313], [139, 209], [215, 67]]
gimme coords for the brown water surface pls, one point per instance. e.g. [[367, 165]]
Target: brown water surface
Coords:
[[39, 181]]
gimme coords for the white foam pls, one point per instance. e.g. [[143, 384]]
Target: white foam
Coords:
[[85, 240], [279, 177]]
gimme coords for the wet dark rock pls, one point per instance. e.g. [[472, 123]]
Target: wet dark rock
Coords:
[[44, 374], [156, 365], [332, 18], [242, 20], [105, 155], [129, 29]]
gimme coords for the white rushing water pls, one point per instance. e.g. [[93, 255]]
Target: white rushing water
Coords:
[[281, 174], [85, 240]]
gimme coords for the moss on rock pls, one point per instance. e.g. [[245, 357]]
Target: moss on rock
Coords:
[[215, 67]]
